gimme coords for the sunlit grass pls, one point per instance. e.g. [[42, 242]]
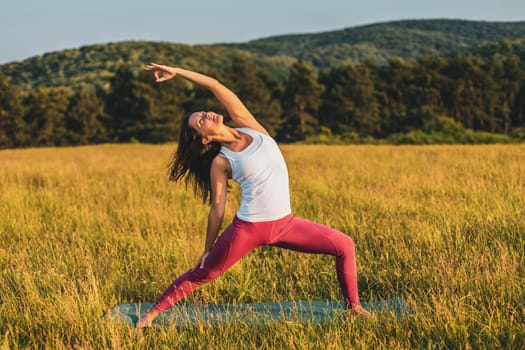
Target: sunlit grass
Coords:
[[441, 226]]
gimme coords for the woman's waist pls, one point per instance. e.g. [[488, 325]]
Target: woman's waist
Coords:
[[263, 211]]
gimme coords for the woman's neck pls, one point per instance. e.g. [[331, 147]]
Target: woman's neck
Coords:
[[239, 141]]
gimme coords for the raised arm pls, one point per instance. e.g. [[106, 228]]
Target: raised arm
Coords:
[[238, 112]]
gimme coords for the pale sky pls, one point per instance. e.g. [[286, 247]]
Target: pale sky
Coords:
[[34, 27]]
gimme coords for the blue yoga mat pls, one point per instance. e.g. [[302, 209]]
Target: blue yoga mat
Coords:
[[185, 313]]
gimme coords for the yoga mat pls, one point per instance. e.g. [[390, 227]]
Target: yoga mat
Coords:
[[185, 313]]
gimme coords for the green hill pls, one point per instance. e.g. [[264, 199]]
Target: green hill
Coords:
[[95, 64], [408, 39]]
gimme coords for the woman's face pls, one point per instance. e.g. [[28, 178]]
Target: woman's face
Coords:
[[205, 124]]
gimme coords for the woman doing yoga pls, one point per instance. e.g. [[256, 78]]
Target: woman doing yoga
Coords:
[[208, 154]]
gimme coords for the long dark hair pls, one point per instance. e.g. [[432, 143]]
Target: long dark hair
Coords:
[[192, 161]]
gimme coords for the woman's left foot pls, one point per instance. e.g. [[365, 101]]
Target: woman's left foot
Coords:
[[143, 323], [146, 319]]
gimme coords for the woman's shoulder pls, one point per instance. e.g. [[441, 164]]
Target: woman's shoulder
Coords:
[[220, 162]]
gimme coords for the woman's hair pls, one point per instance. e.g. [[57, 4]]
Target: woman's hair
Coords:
[[192, 161]]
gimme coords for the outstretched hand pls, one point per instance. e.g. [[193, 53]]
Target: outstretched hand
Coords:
[[161, 72]]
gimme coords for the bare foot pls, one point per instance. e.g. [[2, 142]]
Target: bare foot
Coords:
[[359, 312], [146, 318]]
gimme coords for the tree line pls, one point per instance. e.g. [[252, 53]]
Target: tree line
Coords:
[[363, 102]]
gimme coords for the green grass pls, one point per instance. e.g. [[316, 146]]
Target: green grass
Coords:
[[441, 226]]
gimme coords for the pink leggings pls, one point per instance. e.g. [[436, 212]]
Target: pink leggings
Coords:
[[240, 237]]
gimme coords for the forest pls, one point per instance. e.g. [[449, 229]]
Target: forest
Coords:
[[100, 94]]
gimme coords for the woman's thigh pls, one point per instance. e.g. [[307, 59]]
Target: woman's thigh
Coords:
[[310, 237]]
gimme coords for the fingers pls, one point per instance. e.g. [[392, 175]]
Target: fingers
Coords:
[[160, 76], [199, 263], [162, 73], [152, 66], [203, 259], [202, 262]]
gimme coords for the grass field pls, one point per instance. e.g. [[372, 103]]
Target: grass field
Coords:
[[82, 229]]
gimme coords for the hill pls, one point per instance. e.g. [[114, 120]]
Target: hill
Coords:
[[407, 39], [95, 64]]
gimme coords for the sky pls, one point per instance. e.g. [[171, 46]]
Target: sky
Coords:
[[35, 27]]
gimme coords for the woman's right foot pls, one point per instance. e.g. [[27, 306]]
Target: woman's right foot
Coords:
[[359, 312]]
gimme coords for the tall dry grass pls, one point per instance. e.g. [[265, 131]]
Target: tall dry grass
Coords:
[[82, 229]]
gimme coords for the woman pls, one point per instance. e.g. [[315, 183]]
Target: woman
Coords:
[[209, 153]]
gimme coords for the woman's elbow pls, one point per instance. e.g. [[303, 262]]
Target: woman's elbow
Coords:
[[214, 84], [217, 210]]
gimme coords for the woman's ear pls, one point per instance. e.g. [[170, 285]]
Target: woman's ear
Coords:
[[206, 140]]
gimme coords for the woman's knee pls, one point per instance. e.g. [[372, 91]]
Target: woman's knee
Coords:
[[347, 245]]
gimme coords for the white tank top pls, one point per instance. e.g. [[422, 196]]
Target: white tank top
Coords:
[[261, 172]]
